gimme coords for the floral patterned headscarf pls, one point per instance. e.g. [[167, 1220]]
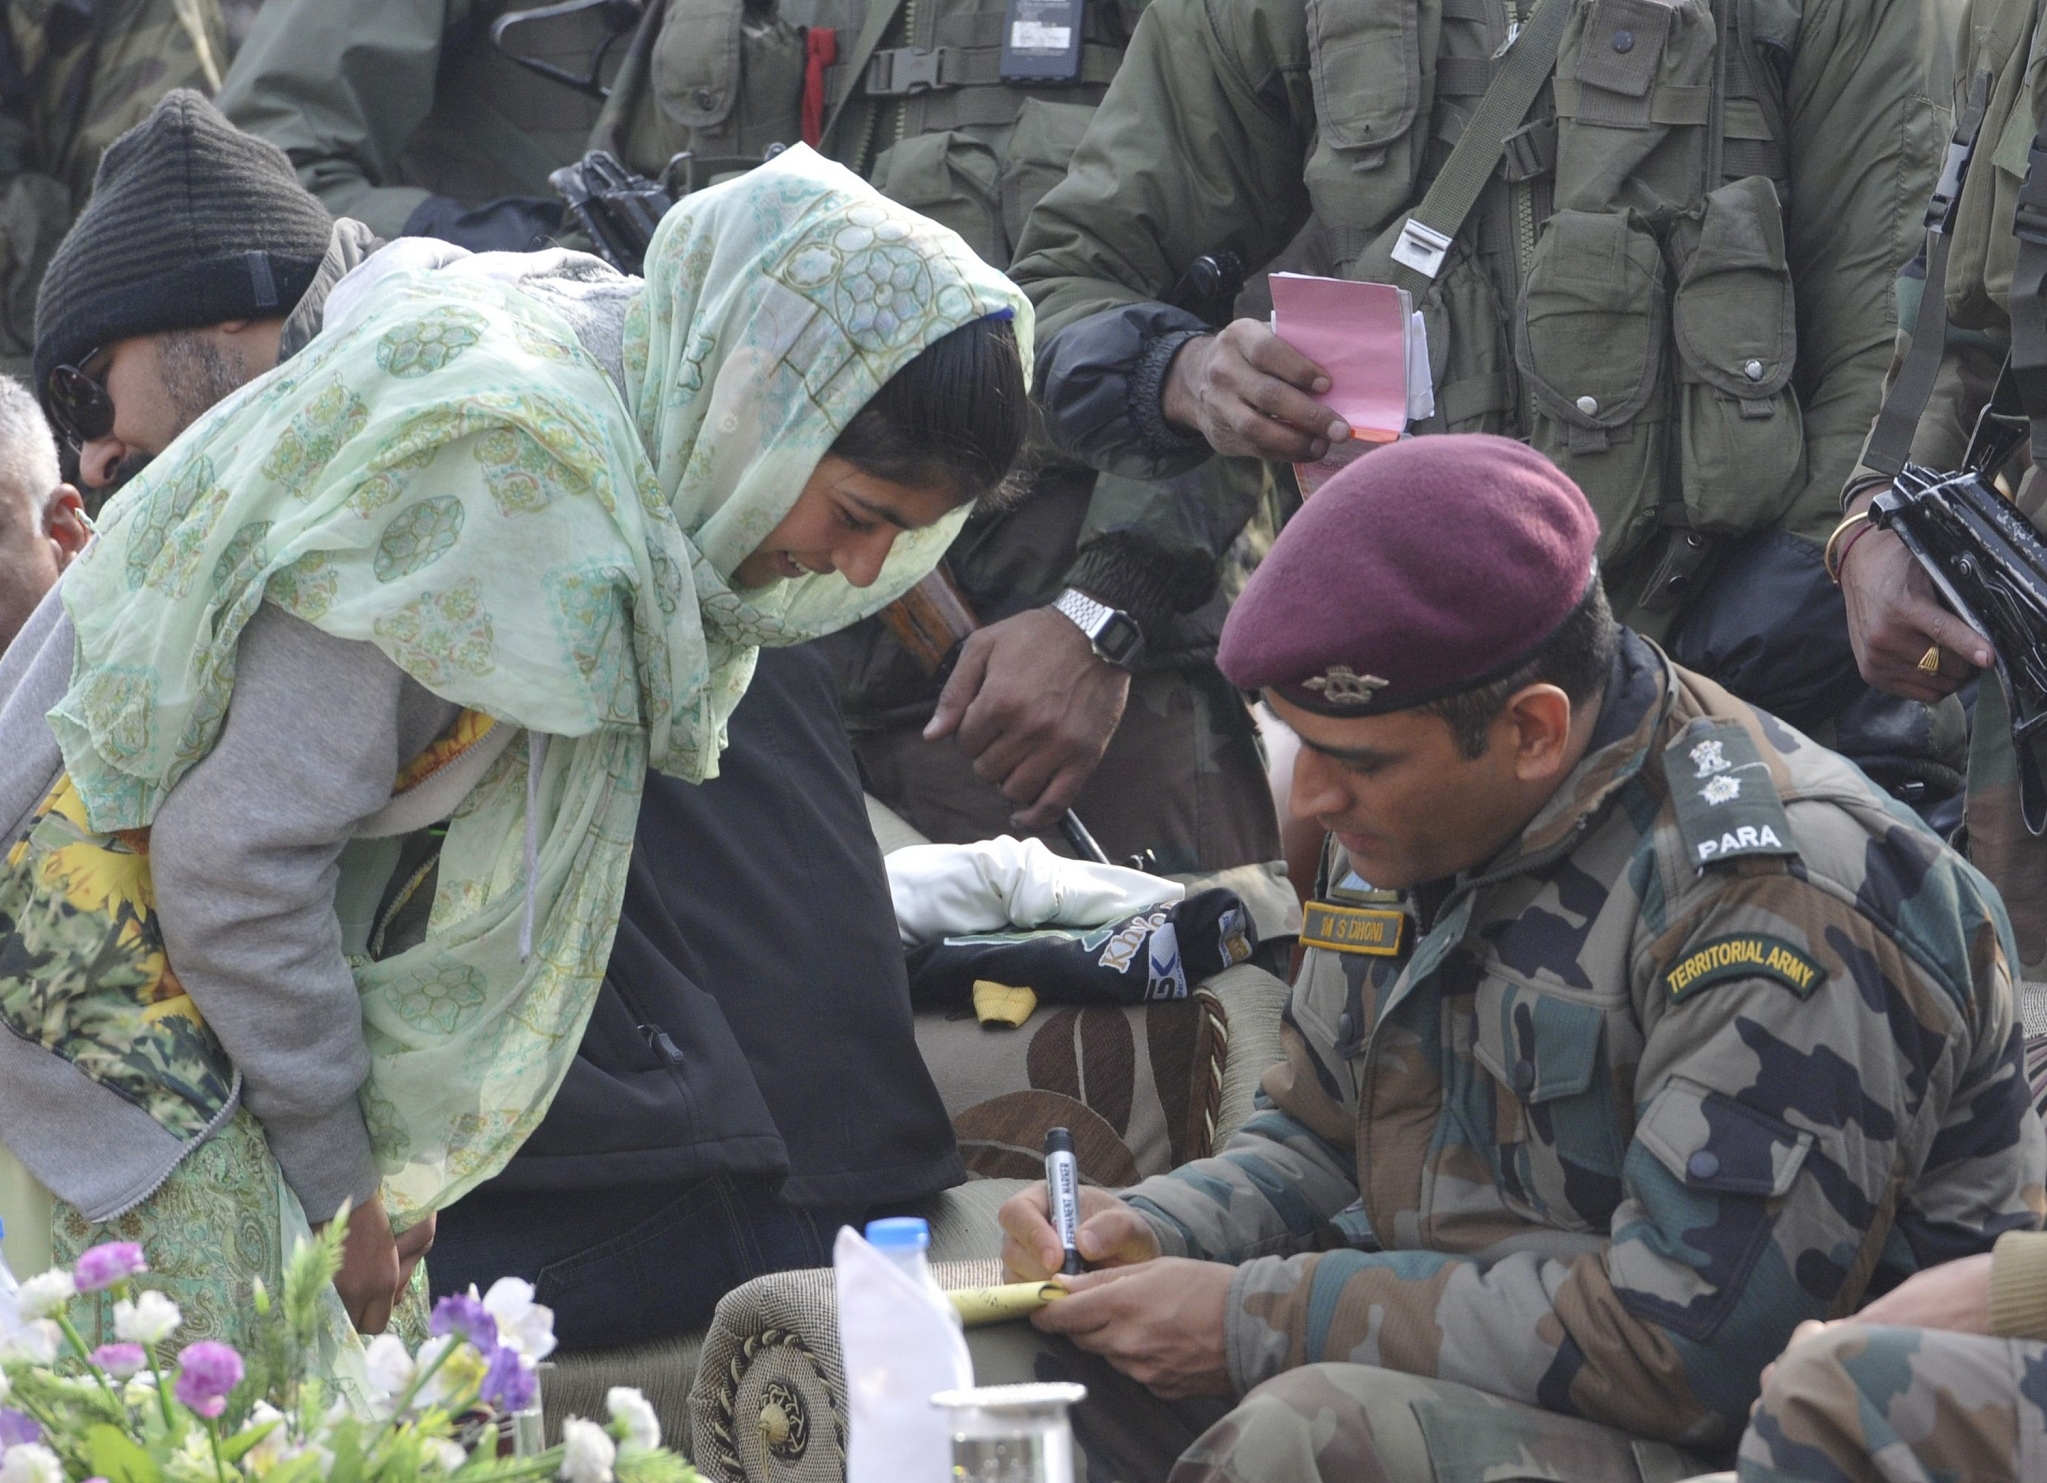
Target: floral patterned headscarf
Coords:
[[447, 474]]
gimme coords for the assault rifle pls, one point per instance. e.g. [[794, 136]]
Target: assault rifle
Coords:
[[1990, 567], [620, 209]]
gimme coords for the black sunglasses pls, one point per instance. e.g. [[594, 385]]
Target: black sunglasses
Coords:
[[78, 404]]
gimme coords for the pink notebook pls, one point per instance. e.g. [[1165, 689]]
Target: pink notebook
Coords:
[[1358, 333]]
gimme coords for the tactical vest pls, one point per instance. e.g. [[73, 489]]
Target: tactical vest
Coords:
[[1619, 295], [927, 116]]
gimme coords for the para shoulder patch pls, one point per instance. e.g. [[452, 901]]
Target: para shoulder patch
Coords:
[[1727, 806], [1353, 929], [1743, 955]]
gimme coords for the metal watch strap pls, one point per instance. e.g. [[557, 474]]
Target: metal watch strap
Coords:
[[1090, 616]]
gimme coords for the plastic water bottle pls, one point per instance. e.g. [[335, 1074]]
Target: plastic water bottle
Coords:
[[904, 1240]]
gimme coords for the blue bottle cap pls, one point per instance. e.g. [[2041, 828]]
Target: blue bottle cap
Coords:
[[900, 1233]]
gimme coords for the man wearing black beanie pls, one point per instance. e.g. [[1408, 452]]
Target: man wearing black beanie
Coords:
[[198, 263]]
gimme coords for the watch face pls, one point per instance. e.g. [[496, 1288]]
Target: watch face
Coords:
[[1119, 638]]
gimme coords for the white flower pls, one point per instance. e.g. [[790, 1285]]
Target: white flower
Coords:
[[633, 1421], [139, 1390], [6, 1386], [587, 1453], [449, 1454], [44, 1293], [274, 1448], [35, 1342], [388, 1364], [30, 1462], [523, 1324], [149, 1320]]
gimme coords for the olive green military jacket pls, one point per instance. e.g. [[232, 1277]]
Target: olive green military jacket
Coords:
[[83, 83], [726, 81], [1724, 1041], [2002, 41], [1677, 284], [382, 103]]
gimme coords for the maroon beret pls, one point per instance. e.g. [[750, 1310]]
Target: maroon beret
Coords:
[[1429, 566]]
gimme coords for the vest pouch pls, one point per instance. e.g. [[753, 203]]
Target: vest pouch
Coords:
[[1741, 433], [1365, 71], [1590, 337], [1040, 149], [953, 178], [718, 88], [1470, 363]]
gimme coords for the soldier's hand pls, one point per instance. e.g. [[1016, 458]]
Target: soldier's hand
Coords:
[[1111, 1233], [1954, 1296], [1247, 391], [1034, 707], [1161, 1323], [1894, 617], [1806, 1330]]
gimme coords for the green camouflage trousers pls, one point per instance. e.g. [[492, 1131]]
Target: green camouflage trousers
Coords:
[[1866, 1404], [1323, 1423]]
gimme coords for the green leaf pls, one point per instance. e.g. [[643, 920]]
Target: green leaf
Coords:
[[118, 1458], [233, 1449]]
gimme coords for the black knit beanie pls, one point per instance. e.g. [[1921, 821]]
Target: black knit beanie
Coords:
[[191, 222]]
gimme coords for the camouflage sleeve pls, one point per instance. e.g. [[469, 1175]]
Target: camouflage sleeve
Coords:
[[1872, 1402], [1865, 141], [1272, 1186], [342, 86], [1858, 1104]]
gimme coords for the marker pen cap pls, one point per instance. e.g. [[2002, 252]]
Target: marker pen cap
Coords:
[[1058, 1140]]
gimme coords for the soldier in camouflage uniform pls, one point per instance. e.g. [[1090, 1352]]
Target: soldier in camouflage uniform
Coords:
[[73, 78], [911, 94], [406, 116], [1635, 1028]]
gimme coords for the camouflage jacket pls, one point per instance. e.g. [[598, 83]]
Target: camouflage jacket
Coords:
[[73, 78], [1724, 1041]]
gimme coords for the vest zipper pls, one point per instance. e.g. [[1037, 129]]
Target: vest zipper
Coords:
[[1523, 195], [910, 38]]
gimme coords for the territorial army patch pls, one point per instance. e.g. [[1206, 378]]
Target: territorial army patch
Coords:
[[1727, 806], [1743, 955], [1353, 929]]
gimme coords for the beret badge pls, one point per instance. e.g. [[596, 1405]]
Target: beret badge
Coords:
[[1344, 686]]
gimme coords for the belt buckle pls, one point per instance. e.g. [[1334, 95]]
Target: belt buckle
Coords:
[[1421, 248], [903, 70]]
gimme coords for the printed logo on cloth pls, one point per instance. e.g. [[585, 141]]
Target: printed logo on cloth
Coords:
[[1727, 807], [1743, 955], [1353, 929]]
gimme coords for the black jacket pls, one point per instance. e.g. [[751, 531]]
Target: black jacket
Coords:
[[755, 1017]]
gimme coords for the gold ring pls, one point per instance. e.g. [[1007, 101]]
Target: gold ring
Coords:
[[1929, 662]]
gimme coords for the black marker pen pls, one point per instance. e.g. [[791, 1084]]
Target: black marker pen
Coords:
[[1062, 1195]]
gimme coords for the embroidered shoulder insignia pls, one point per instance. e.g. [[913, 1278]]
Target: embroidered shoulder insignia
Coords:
[[1743, 955], [1727, 807]]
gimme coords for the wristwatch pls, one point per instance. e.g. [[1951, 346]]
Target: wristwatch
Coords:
[[1114, 634]]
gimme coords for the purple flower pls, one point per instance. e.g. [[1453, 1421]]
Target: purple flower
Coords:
[[508, 1384], [120, 1360], [459, 1313], [15, 1428], [207, 1371], [108, 1263]]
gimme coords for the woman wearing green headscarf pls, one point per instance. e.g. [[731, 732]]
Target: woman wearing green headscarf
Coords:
[[507, 533]]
